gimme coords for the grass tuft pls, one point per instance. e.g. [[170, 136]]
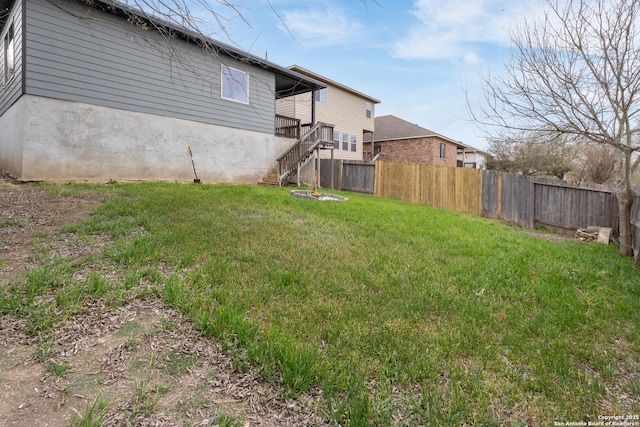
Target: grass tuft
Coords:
[[93, 415], [11, 222]]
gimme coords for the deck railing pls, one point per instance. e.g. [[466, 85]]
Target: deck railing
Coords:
[[288, 127], [325, 132]]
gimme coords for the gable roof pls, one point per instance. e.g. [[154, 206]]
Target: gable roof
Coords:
[[393, 128], [287, 82], [311, 74]]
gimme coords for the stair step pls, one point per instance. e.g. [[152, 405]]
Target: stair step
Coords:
[[271, 179]]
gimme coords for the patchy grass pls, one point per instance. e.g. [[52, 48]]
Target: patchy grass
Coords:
[[11, 222], [93, 415], [58, 369], [401, 314]]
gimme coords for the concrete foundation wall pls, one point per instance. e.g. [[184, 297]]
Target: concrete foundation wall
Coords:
[[63, 140], [11, 138]]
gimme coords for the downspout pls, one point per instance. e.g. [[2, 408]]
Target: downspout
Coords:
[[24, 47], [373, 145]]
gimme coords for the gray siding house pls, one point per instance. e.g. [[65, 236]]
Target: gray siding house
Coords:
[[88, 93]]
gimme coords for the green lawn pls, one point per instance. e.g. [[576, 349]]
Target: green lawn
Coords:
[[402, 314]]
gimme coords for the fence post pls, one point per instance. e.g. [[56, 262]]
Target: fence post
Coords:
[[333, 171], [377, 180], [499, 195], [532, 205]]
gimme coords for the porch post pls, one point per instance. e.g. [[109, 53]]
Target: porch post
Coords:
[[313, 107], [373, 145], [319, 183]]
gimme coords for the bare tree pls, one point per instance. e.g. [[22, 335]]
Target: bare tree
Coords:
[[576, 72], [530, 156], [202, 19], [595, 163]]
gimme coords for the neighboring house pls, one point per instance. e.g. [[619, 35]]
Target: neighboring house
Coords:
[[469, 157], [401, 141], [350, 112], [99, 92]]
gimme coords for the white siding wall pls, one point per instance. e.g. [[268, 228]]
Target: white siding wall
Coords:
[[343, 109], [473, 157]]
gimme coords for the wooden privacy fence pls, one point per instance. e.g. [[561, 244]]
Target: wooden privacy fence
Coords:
[[563, 207], [348, 175], [559, 206], [456, 189]]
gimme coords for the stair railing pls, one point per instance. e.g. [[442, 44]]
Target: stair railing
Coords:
[[318, 135]]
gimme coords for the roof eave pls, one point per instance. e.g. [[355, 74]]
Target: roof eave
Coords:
[[325, 80], [287, 82], [433, 135]]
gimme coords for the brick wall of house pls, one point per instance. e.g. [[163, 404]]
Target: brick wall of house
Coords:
[[418, 150]]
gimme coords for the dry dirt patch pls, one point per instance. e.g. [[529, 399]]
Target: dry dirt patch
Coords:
[[26, 209], [143, 361]]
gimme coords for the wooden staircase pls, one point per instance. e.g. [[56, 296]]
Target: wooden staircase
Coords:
[[299, 154], [271, 179]]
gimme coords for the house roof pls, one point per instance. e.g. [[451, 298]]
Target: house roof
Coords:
[[288, 82], [393, 128], [470, 149], [328, 81]]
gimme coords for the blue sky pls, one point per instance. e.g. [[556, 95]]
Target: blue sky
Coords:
[[418, 57]]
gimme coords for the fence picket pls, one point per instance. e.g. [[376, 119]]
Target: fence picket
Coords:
[[457, 189]]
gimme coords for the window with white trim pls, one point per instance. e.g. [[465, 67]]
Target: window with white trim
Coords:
[[354, 141], [336, 139], [443, 148], [345, 141], [235, 84], [322, 95], [369, 109]]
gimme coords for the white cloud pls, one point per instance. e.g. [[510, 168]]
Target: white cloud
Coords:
[[471, 58], [321, 27], [420, 108], [453, 29]]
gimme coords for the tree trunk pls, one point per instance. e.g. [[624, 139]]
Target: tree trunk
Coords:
[[624, 193], [624, 219]]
